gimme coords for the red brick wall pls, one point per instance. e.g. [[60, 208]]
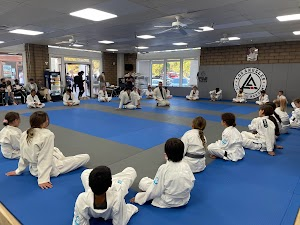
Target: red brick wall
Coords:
[[269, 53], [130, 58], [36, 56], [110, 67]]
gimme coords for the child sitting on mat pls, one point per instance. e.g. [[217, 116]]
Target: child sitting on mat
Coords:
[[104, 196], [38, 152], [195, 145], [230, 147], [262, 137], [295, 118], [173, 181], [10, 136]]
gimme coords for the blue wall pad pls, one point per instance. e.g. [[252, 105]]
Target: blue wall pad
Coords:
[[136, 132], [173, 112]]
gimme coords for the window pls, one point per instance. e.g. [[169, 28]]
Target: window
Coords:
[[157, 72], [173, 73], [190, 70], [55, 64]]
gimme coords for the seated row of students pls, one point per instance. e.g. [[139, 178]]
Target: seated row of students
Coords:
[[35, 148]]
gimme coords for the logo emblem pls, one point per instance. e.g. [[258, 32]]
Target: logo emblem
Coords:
[[252, 80]]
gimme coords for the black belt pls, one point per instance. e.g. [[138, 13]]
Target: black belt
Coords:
[[194, 156]]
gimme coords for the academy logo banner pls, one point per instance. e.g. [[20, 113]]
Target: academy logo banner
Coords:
[[252, 80]]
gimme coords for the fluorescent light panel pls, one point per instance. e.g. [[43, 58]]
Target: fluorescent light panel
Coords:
[[106, 42], [288, 17], [145, 36], [73, 49], [296, 32], [233, 38], [25, 32], [203, 29], [93, 14], [142, 47], [77, 45], [112, 50], [1, 42], [180, 43]]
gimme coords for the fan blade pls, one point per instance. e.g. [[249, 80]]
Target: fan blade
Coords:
[[162, 26], [209, 43], [62, 42], [164, 31], [182, 31]]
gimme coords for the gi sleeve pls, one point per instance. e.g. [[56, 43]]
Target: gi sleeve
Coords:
[[185, 141], [23, 163], [81, 216], [45, 158], [121, 101], [155, 190]]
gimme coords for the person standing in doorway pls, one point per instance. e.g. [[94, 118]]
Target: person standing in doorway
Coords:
[[80, 84], [102, 80]]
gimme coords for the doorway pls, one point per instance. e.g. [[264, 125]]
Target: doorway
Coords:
[[72, 70]]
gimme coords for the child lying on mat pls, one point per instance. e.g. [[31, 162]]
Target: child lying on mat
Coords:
[[230, 147], [173, 181], [263, 130], [104, 196], [10, 136], [195, 145], [38, 152]]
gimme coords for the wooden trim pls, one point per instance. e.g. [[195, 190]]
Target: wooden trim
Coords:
[[297, 221], [6, 218]]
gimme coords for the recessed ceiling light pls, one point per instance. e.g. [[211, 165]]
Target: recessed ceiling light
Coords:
[[233, 38], [142, 47], [296, 32], [77, 45], [145, 36], [112, 50], [288, 17], [180, 43], [25, 32], [203, 29], [106, 42], [1, 42], [93, 14]]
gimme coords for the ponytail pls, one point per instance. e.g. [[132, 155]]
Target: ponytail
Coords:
[[201, 135], [30, 134], [36, 120]]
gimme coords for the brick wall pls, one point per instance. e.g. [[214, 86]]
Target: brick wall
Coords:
[[269, 53], [130, 58], [110, 67], [36, 56]]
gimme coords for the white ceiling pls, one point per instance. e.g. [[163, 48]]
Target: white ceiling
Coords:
[[252, 20]]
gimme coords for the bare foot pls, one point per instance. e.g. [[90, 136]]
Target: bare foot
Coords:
[[271, 153], [212, 156], [279, 146]]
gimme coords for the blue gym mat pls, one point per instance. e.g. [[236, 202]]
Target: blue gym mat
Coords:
[[122, 129], [173, 112]]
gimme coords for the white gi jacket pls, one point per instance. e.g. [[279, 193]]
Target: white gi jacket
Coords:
[[295, 119], [66, 98], [10, 141], [194, 146], [31, 100], [124, 99], [193, 95], [157, 94], [149, 93], [117, 209], [38, 155], [231, 143], [265, 132], [102, 94], [171, 186], [264, 99]]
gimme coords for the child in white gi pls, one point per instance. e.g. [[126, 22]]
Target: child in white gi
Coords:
[[10, 136], [160, 95], [169, 96], [215, 95], [263, 98], [103, 96], [195, 145], [230, 147], [173, 181], [126, 101], [38, 152], [33, 100], [104, 196], [149, 92], [262, 137], [281, 105], [135, 97], [240, 97], [295, 118], [194, 94], [69, 99]]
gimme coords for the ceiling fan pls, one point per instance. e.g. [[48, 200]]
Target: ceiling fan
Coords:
[[71, 42], [177, 25], [223, 40]]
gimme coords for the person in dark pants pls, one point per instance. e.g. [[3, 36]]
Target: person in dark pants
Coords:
[[2, 90], [80, 84]]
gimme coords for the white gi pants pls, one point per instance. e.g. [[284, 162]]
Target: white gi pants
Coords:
[[251, 142], [103, 99], [191, 98], [75, 102], [163, 102], [241, 100], [32, 105]]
